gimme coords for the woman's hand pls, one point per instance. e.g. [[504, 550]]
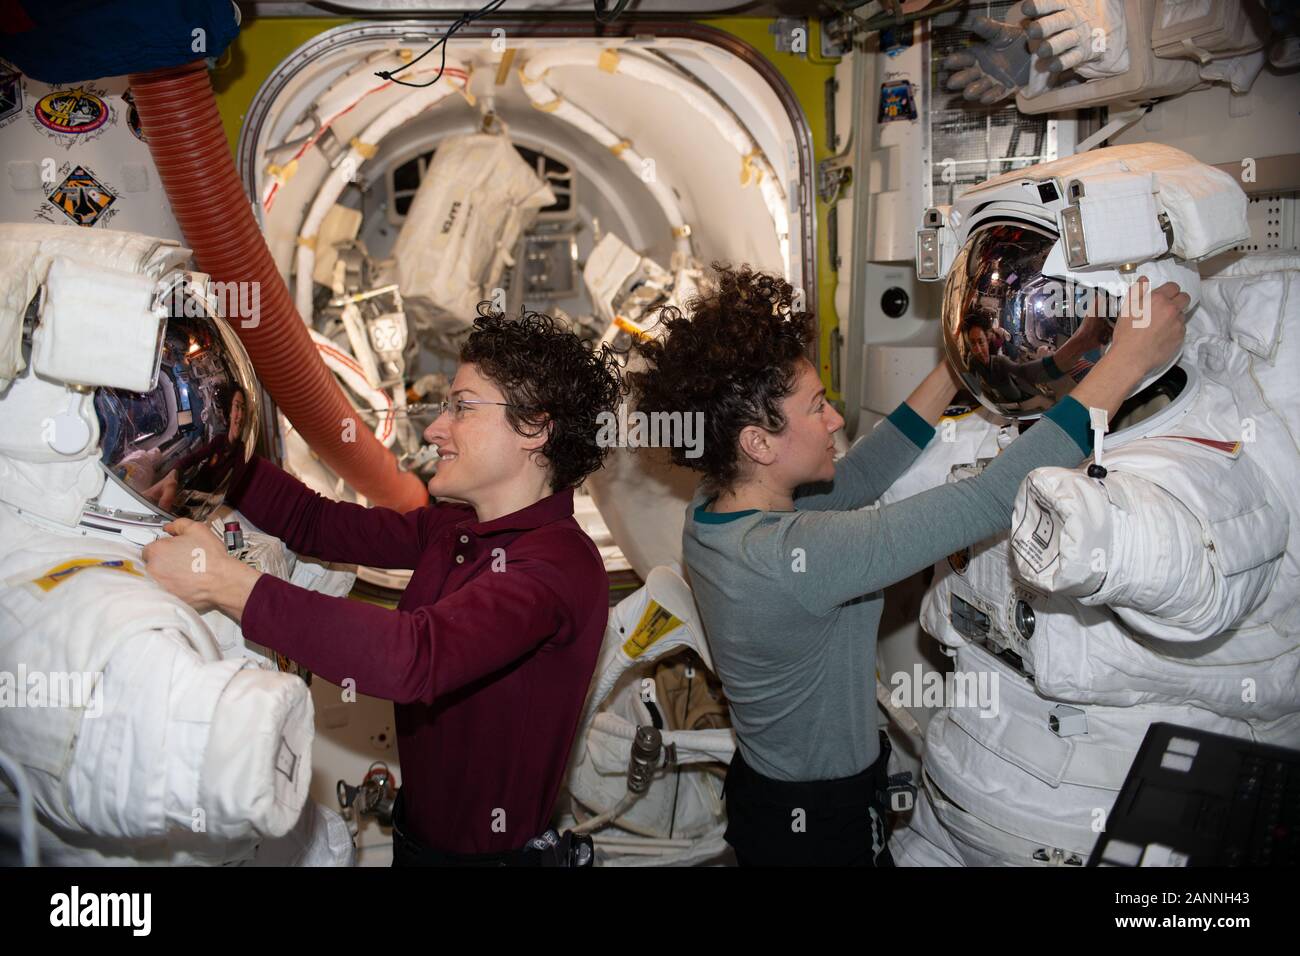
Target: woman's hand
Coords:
[[1151, 325], [1149, 332], [193, 565], [163, 493], [1092, 333]]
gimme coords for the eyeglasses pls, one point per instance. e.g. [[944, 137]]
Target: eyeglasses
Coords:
[[432, 410], [458, 406]]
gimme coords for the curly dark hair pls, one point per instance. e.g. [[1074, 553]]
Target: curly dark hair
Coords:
[[976, 320], [555, 379], [734, 359]]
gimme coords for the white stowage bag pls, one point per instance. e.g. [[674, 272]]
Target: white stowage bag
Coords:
[[475, 200], [165, 749]]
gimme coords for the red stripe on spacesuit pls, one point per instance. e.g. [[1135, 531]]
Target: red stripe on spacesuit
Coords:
[[1228, 447]]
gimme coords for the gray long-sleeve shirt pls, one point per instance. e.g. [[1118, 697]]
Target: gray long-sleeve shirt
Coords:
[[791, 600]]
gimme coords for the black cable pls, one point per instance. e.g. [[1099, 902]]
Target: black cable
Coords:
[[677, 784], [656, 718], [612, 15], [462, 20]]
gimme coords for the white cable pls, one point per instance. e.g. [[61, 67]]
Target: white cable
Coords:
[[26, 809], [692, 746], [540, 92], [633, 841], [345, 171], [347, 368], [399, 402], [633, 850], [1119, 123], [359, 342], [334, 103], [700, 101], [608, 816]]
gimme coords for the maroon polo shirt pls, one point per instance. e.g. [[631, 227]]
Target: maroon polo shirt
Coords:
[[487, 658]]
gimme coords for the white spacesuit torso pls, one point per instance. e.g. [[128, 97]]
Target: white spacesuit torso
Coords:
[[175, 749], [1161, 592], [142, 732]]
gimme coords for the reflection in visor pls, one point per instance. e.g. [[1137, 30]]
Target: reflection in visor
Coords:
[[1004, 321], [180, 446]]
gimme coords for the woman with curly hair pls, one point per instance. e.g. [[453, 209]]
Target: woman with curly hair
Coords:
[[493, 644], [788, 562]]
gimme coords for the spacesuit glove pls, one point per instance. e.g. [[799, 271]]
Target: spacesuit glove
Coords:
[[992, 70], [1087, 36]]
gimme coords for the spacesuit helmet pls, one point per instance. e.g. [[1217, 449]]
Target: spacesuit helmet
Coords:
[[178, 448], [1004, 320]]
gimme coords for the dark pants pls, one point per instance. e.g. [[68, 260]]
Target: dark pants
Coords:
[[812, 823], [409, 852]]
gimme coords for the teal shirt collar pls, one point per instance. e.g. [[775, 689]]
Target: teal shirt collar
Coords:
[[713, 517]]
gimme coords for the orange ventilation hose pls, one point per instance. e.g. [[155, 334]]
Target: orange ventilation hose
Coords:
[[178, 113]]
